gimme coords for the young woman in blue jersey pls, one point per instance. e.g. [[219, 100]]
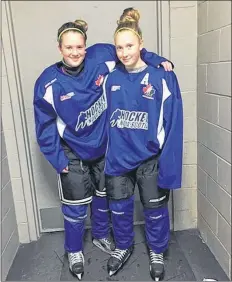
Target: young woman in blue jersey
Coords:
[[144, 146], [70, 114]]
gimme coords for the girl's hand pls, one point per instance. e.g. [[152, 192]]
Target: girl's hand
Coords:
[[167, 66]]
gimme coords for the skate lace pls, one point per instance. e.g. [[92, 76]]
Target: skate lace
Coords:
[[106, 241], [156, 258], [76, 258], [119, 254]]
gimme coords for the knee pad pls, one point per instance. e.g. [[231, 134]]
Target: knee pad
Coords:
[[156, 214], [155, 200], [99, 210], [100, 203], [121, 206], [75, 213]]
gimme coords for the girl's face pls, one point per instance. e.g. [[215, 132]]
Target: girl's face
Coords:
[[72, 48], [128, 47]]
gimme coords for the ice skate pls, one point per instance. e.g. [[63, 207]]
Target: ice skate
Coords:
[[105, 244], [118, 259], [156, 265], [76, 264]]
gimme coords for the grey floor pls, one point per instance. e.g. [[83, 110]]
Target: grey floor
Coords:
[[188, 259]]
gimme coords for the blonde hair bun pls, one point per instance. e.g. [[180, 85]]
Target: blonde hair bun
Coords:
[[82, 23], [129, 15]]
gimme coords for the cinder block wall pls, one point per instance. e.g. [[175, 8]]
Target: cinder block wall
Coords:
[[214, 128], [13, 130], [9, 233], [183, 52]]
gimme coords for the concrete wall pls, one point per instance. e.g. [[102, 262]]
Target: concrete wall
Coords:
[[13, 119], [183, 45], [214, 128], [9, 230]]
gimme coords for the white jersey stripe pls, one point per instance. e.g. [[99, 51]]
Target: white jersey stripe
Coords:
[[160, 130]]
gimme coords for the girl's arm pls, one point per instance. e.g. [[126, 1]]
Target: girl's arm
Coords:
[[104, 52], [170, 160], [47, 134]]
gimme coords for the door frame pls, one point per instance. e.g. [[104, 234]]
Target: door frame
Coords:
[[22, 136]]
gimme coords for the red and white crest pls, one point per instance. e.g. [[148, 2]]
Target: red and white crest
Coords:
[[148, 91], [99, 80]]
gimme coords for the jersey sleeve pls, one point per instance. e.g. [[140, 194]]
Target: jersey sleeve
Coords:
[[102, 52], [46, 129], [106, 92], [170, 159], [153, 59], [106, 53]]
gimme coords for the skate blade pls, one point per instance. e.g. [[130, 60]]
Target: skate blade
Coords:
[[79, 276], [156, 278], [112, 272], [102, 248], [120, 266]]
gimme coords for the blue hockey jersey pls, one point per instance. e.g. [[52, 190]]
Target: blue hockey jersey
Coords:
[[145, 118], [74, 108]]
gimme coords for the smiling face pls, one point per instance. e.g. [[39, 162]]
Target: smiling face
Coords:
[[128, 47], [72, 48]]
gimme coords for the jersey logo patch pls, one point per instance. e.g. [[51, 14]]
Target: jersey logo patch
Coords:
[[129, 119], [67, 96], [99, 80], [148, 92], [88, 117], [115, 87]]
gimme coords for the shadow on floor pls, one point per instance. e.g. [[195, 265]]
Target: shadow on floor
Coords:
[[188, 259]]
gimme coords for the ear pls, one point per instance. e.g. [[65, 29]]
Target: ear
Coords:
[[141, 44], [59, 48]]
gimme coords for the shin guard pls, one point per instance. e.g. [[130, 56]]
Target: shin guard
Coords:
[[122, 221], [157, 228], [74, 219], [100, 217]]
